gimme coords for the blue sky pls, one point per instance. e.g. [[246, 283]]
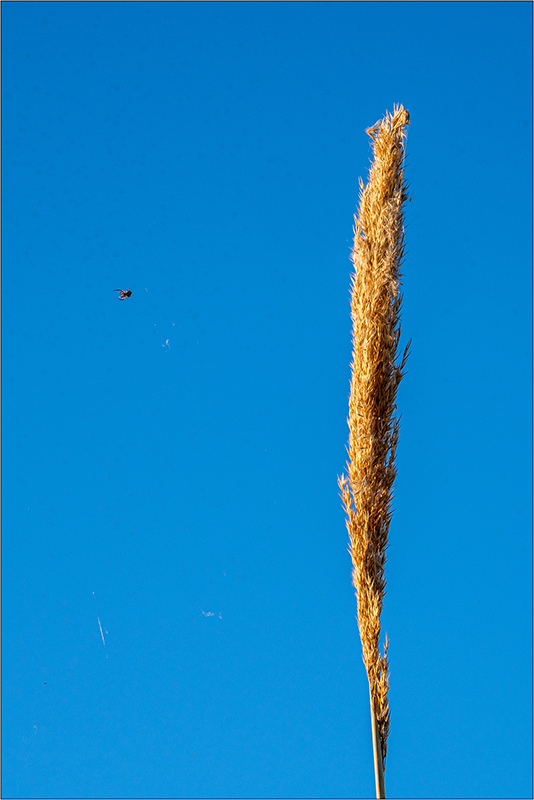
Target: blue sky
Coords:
[[178, 613]]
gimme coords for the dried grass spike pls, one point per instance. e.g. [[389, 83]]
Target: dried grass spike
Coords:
[[367, 490]]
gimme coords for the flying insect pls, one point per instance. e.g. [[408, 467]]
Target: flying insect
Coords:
[[123, 294]]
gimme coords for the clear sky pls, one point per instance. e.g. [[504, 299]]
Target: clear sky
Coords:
[[178, 614]]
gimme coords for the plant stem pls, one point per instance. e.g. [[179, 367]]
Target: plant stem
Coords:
[[380, 785]]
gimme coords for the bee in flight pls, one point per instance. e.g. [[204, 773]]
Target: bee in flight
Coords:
[[123, 294]]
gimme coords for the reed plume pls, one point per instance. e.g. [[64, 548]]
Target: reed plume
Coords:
[[367, 491]]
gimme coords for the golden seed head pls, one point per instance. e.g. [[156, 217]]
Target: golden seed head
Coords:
[[367, 490]]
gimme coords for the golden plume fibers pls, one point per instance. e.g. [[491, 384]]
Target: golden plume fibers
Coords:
[[367, 490]]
